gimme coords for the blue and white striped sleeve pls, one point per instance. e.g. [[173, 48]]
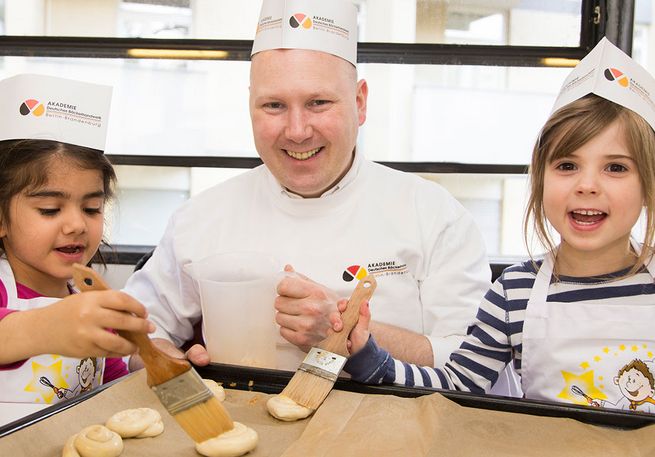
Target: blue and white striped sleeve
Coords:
[[474, 367]]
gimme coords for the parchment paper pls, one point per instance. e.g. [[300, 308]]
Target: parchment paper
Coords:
[[47, 437], [347, 424], [350, 424]]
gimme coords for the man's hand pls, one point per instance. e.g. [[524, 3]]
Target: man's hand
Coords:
[[197, 354], [306, 310]]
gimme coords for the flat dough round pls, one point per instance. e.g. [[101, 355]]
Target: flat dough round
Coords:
[[69, 448], [98, 441], [285, 409], [233, 443], [131, 423], [217, 390]]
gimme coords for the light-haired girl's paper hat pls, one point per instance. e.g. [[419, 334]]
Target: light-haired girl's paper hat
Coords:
[[610, 73], [320, 25], [43, 107]]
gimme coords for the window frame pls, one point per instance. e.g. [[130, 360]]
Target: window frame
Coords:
[[611, 18]]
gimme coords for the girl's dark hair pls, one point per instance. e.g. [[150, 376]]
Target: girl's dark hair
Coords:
[[24, 165]]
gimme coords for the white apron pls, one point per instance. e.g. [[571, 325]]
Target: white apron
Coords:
[[47, 378], [589, 354]]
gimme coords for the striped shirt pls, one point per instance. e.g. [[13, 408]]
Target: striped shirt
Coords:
[[495, 339]]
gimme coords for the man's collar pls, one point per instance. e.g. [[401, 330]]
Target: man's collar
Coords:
[[348, 178]]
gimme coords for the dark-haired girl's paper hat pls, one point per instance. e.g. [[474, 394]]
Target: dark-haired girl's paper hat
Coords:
[[43, 107], [610, 73], [319, 25]]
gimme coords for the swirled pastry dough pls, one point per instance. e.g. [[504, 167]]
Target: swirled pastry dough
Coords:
[[285, 409], [97, 441], [136, 423], [69, 448], [155, 429], [233, 443], [217, 390]]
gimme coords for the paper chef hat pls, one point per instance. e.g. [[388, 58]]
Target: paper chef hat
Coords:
[[48, 108], [321, 25], [610, 73]]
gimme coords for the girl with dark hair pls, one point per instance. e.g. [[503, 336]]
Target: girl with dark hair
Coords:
[[52, 203]]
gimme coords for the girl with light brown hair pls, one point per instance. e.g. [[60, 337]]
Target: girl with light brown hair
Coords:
[[570, 320]]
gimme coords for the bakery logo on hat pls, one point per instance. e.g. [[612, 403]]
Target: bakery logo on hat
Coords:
[[614, 74], [31, 106], [319, 25], [610, 73], [299, 19], [57, 109]]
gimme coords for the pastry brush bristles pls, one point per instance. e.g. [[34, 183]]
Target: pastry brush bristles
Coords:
[[188, 399], [308, 389], [205, 420]]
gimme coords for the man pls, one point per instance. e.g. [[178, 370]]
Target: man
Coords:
[[320, 207]]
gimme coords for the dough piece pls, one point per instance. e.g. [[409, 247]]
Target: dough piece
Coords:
[[285, 409], [69, 448], [98, 441], [233, 443], [155, 429], [137, 422], [217, 390]]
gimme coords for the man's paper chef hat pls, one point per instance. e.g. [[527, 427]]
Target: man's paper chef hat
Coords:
[[320, 25], [610, 73], [42, 107]]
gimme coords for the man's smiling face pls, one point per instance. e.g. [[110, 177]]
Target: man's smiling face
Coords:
[[306, 108]]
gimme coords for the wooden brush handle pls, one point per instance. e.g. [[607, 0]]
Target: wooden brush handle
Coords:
[[336, 342], [160, 366]]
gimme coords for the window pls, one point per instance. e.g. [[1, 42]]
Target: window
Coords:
[[438, 71]]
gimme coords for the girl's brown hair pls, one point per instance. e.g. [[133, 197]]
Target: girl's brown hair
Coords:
[[24, 165], [571, 127]]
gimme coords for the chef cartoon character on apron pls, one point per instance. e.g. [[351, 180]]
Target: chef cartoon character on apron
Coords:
[[46, 378], [586, 353], [637, 385], [86, 374]]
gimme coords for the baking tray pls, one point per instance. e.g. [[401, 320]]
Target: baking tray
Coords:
[[273, 381]]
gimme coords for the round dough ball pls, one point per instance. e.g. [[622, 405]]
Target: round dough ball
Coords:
[[285, 409], [233, 443], [134, 422], [69, 447], [217, 390], [98, 441]]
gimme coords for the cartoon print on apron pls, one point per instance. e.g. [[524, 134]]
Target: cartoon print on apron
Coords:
[[589, 354], [46, 378]]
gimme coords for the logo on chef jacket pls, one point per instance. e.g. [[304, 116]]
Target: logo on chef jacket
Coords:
[[383, 268], [614, 74], [300, 20], [31, 106], [354, 272]]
